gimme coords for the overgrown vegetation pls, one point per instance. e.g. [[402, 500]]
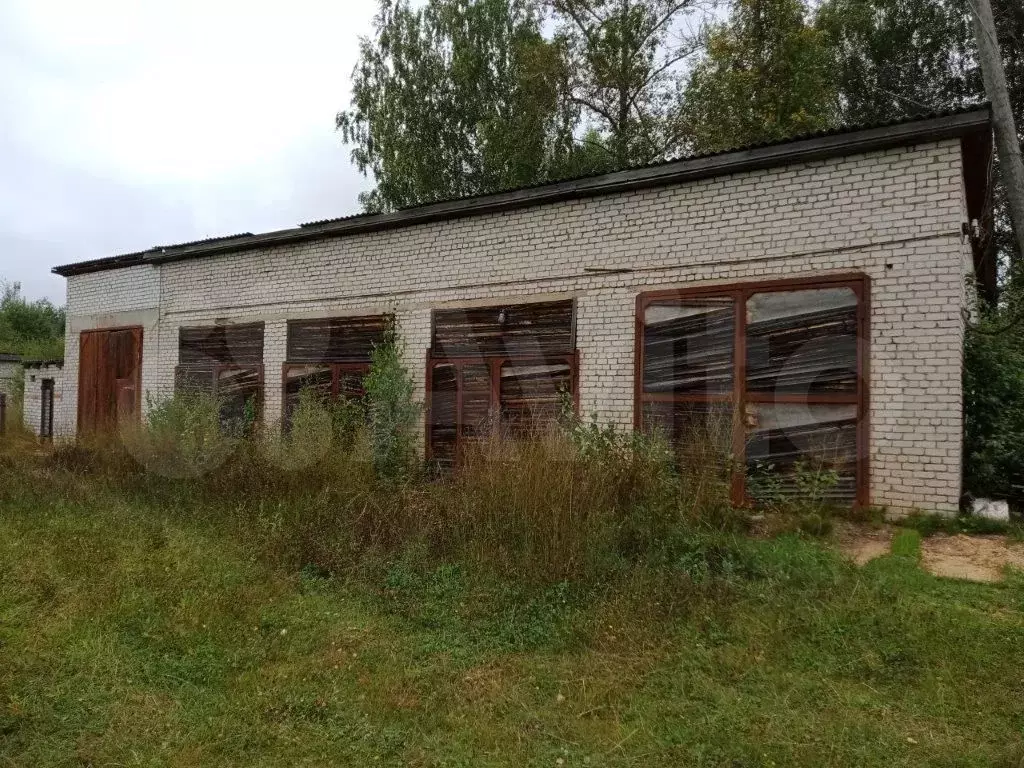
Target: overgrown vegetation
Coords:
[[994, 409], [32, 329], [184, 594], [392, 414], [547, 604]]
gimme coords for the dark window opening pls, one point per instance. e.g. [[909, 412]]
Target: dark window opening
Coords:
[[46, 410], [239, 389]]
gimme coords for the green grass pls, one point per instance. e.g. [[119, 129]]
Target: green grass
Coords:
[[138, 633], [928, 525]]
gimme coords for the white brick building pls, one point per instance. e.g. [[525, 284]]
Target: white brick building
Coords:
[[43, 396], [661, 287]]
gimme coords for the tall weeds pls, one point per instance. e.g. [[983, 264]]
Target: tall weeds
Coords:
[[576, 502], [341, 489]]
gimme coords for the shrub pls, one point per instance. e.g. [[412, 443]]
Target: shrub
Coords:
[[309, 437], [994, 410], [393, 414], [565, 504], [804, 493], [337, 491], [181, 436]]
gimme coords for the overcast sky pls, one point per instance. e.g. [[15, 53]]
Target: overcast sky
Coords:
[[126, 124]]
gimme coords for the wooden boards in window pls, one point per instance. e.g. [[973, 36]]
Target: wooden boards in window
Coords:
[[539, 330], [334, 339], [202, 349]]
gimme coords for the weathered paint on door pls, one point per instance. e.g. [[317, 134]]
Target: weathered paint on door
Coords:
[[109, 378]]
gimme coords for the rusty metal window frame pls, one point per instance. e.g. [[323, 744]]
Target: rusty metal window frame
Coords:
[[495, 364], [739, 396]]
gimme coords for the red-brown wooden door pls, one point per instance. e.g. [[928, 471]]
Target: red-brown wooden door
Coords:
[[109, 378]]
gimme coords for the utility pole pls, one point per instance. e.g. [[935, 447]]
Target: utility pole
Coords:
[[1007, 142]]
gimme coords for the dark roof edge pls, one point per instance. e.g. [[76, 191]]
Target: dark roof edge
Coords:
[[10, 357], [42, 363], [953, 125]]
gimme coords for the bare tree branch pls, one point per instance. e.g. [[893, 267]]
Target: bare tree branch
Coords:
[[594, 108]]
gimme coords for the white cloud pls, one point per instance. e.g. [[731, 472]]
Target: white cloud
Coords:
[[128, 124]]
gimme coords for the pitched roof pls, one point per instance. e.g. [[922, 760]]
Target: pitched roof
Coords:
[[846, 140]]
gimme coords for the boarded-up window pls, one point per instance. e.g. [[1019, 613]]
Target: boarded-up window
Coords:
[[513, 366], [771, 374], [782, 435], [540, 330], [701, 430], [334, 339], [532, 394], [329, 356], [443, 419], [227, 362], [688, 346], [202, 349], [802, 341], [240, 392]]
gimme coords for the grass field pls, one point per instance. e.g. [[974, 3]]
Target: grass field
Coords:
[[137, 633]]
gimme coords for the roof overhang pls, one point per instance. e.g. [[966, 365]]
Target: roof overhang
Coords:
[[964, 124]]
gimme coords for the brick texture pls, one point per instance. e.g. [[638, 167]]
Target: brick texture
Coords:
[[894, 216], [33, 398]]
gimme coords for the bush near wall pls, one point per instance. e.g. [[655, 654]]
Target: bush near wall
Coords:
[[994, 409]]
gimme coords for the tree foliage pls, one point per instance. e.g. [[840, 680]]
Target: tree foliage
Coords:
[[627, 63], [896, 58], [463, 97], [765, 75], [393, 412], [33, 329], [900, 57], [455, 98], [994, 411]]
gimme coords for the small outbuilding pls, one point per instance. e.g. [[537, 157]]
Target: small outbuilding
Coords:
[[43, 396]]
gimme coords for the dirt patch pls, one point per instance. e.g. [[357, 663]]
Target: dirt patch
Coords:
[[975, 558], [861, 544]]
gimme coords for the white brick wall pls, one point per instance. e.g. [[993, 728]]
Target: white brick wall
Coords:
[[32, 404], [894, 216], [114, 299]]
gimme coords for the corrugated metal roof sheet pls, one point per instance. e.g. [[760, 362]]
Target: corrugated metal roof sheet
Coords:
[[852, 139], [836, 131]]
